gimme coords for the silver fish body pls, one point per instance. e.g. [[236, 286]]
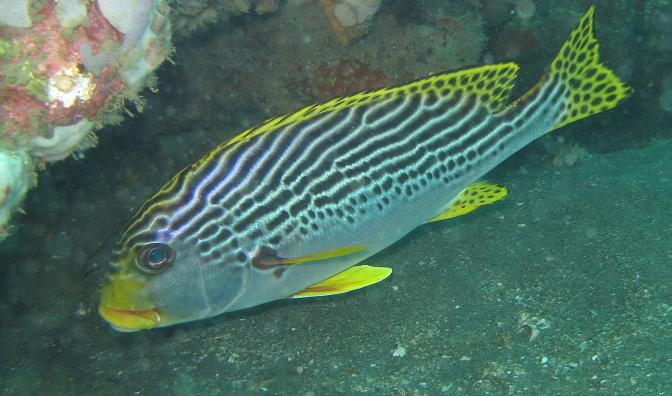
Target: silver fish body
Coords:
[[246, 224]]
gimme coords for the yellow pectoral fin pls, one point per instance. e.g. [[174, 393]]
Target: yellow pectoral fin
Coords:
[[323, 255], [474, 195], [351, 279]]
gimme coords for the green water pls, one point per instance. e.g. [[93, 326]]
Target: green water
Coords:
[[562, 288]]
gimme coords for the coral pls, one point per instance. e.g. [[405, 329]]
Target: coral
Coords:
[[15, 13], [266, 6], [189, 16], [342, 77], [355, 12], [65, 66], [53, 76], [349, 18], [16, 177]]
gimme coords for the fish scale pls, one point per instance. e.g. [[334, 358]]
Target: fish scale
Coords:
[[346, 202], [291, 207]]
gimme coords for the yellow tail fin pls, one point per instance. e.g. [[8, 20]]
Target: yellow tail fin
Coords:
[[591, 87]]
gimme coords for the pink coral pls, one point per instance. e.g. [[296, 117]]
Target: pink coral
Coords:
[[43, 52]]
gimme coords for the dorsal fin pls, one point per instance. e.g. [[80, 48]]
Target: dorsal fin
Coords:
[[492, 84]]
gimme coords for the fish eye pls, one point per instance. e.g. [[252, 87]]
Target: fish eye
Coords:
[[155, 256]]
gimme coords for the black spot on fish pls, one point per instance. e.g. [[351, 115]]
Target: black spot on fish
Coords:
[[278, 272], [203, 247], [431, 98]]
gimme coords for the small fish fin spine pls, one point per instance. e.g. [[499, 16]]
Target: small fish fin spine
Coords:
[[590, 86]]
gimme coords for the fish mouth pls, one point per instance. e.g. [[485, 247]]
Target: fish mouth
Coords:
[[128, 320]]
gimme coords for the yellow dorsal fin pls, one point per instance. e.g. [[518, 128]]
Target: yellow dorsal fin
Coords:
[[492, 84], [474, 195], [351, 279], [323, 255]]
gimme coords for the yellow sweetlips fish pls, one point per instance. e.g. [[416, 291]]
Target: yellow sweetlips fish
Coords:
[[290, 208]]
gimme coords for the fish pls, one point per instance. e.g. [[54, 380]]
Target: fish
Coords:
[[293, 207]]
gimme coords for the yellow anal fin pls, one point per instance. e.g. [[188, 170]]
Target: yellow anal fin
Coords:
[[476, 194], [591, 87], [323, 255], [351, 279]]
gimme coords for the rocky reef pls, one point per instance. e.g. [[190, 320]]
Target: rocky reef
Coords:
[[68, 68]]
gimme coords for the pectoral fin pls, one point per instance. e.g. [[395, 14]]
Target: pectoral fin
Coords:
[[266, 258], [325, 254], [351, 279], [474, 195]]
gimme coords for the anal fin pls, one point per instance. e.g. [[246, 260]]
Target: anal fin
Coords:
[[352, 278], [474, 195]]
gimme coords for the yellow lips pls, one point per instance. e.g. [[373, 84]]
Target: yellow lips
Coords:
[[124, 305], [127, 320]]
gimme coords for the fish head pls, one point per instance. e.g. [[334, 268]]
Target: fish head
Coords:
[[162, 281]]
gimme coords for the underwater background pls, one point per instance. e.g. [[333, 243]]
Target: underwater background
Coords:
[[562, 288]]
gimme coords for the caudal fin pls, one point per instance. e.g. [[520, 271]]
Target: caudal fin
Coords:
[[590, 86]]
